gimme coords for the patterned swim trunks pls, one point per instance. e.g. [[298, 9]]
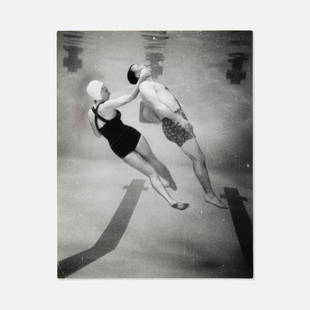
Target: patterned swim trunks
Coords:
[[174, 131]]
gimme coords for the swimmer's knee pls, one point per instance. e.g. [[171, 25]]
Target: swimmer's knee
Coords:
[[151, 173], [199, 160], [154, 177], [203, 158]]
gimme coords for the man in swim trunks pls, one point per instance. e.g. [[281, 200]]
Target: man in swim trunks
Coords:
[[175, 125]]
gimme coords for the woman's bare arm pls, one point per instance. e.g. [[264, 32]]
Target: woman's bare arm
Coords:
[[117, 102], [92, 124]]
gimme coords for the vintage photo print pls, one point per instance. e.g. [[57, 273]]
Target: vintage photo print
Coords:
[[154, 146]]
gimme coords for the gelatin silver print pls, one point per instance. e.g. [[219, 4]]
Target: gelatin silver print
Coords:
[[154, 154]]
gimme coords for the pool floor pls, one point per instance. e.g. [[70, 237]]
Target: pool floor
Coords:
[[114, 225]]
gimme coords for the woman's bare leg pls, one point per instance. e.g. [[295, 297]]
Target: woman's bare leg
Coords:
[[136, 161], [144, 149]]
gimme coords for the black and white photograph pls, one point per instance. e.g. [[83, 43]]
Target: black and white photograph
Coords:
[[154, 154]]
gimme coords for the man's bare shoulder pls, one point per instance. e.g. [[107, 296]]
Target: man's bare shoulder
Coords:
[[146, 84], [150, 85], [146, 87]]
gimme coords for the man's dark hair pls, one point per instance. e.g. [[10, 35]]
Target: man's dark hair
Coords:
[[131, 76]]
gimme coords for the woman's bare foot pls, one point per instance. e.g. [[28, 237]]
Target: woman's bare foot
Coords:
[[213, 200], [180, 205]]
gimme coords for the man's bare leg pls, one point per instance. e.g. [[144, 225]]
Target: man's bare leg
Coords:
[[193, 152]]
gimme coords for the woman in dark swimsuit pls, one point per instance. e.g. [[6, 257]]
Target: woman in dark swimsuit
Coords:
[[125, 141]]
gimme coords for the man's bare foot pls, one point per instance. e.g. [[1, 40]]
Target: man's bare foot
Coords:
[[166, 184], [180, 205], [213, 200]]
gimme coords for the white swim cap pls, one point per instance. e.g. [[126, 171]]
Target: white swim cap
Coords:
[[94, 89]]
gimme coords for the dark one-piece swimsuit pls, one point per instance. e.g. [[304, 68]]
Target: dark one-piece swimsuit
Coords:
[[123, 139]]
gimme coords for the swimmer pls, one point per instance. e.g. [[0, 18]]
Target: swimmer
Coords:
[[125, 141], [175, 126]]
